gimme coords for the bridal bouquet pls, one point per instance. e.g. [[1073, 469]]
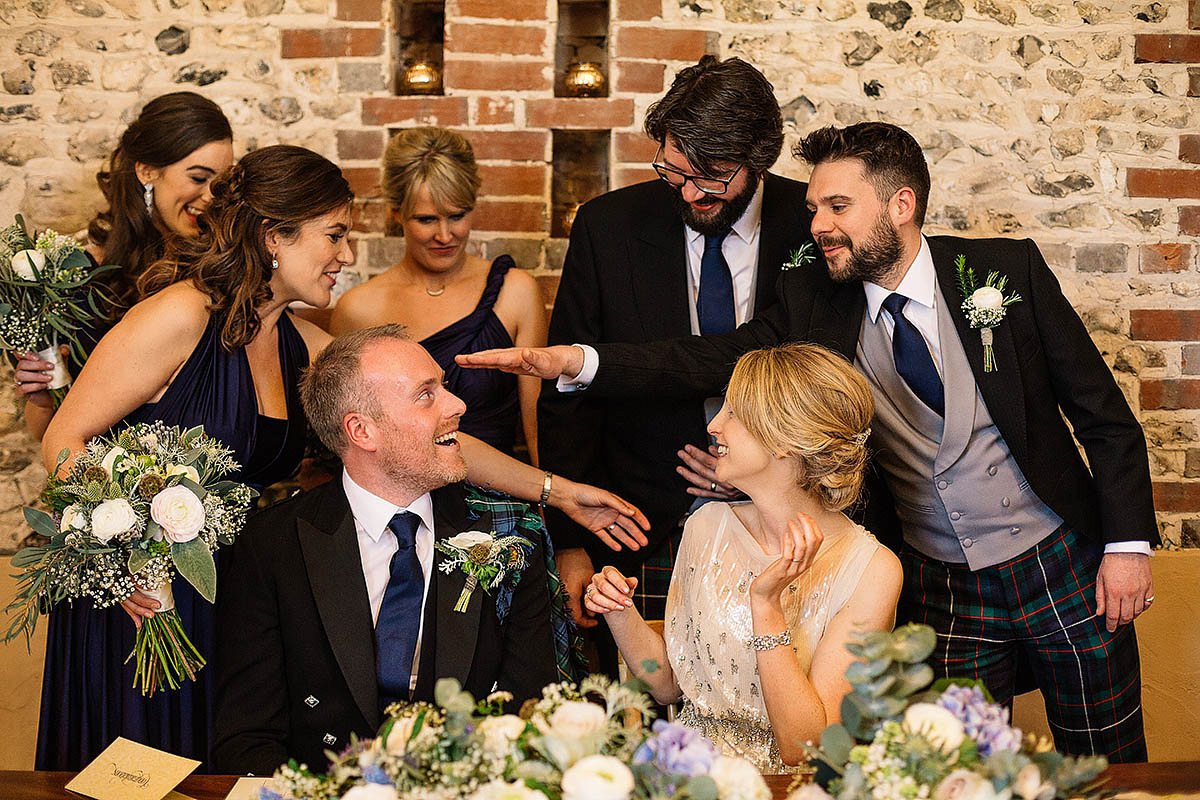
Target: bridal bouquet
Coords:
[[133, 510], [45, 297], [899, 739], [579, 742]]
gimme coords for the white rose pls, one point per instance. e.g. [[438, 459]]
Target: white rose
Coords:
[[112, 517], [499, 790], [1028, 784], [809, 791], [576, 719], [738, 779], [468, 539], [371, 791], [72, 517], [24, 262], [110, 459], [182, 469], [179, 512], [398, 736], [963, 784], [987, 298], [597, 778], [936, 724], [499, 733]]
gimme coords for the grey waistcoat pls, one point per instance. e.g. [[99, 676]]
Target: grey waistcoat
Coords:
[[959, 494]]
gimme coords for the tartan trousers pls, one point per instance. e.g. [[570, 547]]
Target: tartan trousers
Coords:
[[1036, 612]]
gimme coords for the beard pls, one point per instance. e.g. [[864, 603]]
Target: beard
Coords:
[[872, 259], [728, 210]]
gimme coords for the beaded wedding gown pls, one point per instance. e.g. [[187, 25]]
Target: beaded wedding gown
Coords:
[[708, 624]]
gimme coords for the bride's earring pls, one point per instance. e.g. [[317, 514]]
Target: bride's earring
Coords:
[[148, 197], [274, 262]]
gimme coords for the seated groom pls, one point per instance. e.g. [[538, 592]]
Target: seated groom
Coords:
[[337, 603]]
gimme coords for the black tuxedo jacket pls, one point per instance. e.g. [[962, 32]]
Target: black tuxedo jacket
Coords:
[[625, 279], [1048, 367], [295, 652]]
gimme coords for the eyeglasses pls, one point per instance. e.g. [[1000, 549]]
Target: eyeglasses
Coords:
[[703, 183]]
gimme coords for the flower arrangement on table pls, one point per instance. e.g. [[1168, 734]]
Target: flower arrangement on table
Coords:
[[902, 739], [133, 510], [579, 742], [46, 297]]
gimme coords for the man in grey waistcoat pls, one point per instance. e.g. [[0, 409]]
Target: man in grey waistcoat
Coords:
[[1015, 550]]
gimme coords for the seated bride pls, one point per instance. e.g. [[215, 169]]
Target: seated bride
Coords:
[[765, 594]]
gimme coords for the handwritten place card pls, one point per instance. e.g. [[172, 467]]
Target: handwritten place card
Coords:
[[128, 770], [246, 788]]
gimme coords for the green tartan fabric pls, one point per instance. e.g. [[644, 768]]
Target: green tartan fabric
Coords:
[[1036, 613]]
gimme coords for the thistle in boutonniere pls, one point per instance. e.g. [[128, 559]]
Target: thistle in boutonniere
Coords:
[[985, 306], [800, 258], [485, 558]]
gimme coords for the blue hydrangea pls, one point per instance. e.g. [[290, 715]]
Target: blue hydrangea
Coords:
[[985, 723], [375, 774], [676, 750]]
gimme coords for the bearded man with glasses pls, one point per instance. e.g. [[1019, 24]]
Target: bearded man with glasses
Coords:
[[696, 252]]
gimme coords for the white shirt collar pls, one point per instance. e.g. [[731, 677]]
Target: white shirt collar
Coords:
[[373, 513], [918, 284], [747, 225]]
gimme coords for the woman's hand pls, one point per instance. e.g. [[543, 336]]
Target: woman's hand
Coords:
[[613, 520], [610, 591], [140, 606], [700, 470], [33, 378], [800, 545]]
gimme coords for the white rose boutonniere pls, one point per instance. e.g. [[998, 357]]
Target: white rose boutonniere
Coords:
[[485, 558], [799, 258], [985, 306]]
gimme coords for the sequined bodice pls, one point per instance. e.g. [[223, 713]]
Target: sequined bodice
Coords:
[[708, 623]]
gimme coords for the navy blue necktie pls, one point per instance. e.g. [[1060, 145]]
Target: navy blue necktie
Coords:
[[913, 360], [400, 613], [714, 301]]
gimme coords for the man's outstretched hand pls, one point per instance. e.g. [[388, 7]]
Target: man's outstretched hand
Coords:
[[547, 363]]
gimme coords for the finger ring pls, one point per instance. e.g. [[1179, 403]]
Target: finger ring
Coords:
[[1149, 599], [712, 487], [611, 526], [797, 560], [588, 593]]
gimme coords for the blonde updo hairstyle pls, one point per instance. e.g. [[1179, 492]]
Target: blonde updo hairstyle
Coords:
[[807, 403], [439, 158]]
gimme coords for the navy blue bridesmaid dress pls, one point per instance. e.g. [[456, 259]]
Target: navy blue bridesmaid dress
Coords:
[[88, 697], [490, 395]]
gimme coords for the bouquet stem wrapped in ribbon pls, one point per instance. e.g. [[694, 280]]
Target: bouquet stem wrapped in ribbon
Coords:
[[131, 512]]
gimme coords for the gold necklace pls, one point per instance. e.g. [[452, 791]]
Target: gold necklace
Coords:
[[435, 292]]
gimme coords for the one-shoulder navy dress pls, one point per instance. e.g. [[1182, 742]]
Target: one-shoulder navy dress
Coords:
[[88, 697], [490, 395]]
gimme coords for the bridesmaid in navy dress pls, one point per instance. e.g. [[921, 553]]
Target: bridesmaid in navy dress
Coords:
[[215, 347], [451, 301], [157, 185]]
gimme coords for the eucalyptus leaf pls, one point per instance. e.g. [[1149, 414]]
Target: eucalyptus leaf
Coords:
[[879, 686], [858, 720], [862, 672], [836, 743], [913, 679], [912, 643], [195, 563], [881, 707], [41, 522], [701, 787]]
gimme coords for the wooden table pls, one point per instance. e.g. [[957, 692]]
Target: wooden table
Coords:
[[1178, 777]]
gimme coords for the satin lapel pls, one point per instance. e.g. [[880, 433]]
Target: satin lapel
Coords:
[[1001, 389], [329, 547], [658, 273], [456, 631]]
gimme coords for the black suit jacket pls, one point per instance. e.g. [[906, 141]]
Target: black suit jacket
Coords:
[[1048, 366], [625, 279], [295, 652]]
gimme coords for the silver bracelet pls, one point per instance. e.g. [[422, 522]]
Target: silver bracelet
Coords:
[[769, 642]]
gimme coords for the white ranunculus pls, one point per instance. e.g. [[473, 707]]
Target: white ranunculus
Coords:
[[183, 469], [987, 298], [575, 729], [468, 539], [937, 724], [72, 517], [24, 262], [110, 459], [398, 736], [499, 790], [810, 791], [111, 518], [179, 512], [597, 778], [738, 779], [499, 733], [371, 791], [1029, 785], [963, 784]]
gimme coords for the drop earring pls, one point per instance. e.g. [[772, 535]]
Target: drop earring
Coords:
[[148, 197], [274, 262]]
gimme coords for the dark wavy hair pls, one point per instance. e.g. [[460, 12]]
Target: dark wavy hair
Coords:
[[720, 111], [278, 188], [891, 158], [167, 130]]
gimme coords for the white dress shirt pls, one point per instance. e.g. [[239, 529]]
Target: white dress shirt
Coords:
[[918, 285], [376, 545]]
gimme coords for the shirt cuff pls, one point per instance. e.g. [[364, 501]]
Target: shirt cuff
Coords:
[[1136, 546], [591, 363]]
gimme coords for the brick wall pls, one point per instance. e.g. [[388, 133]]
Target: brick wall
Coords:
[[1068, 121]]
